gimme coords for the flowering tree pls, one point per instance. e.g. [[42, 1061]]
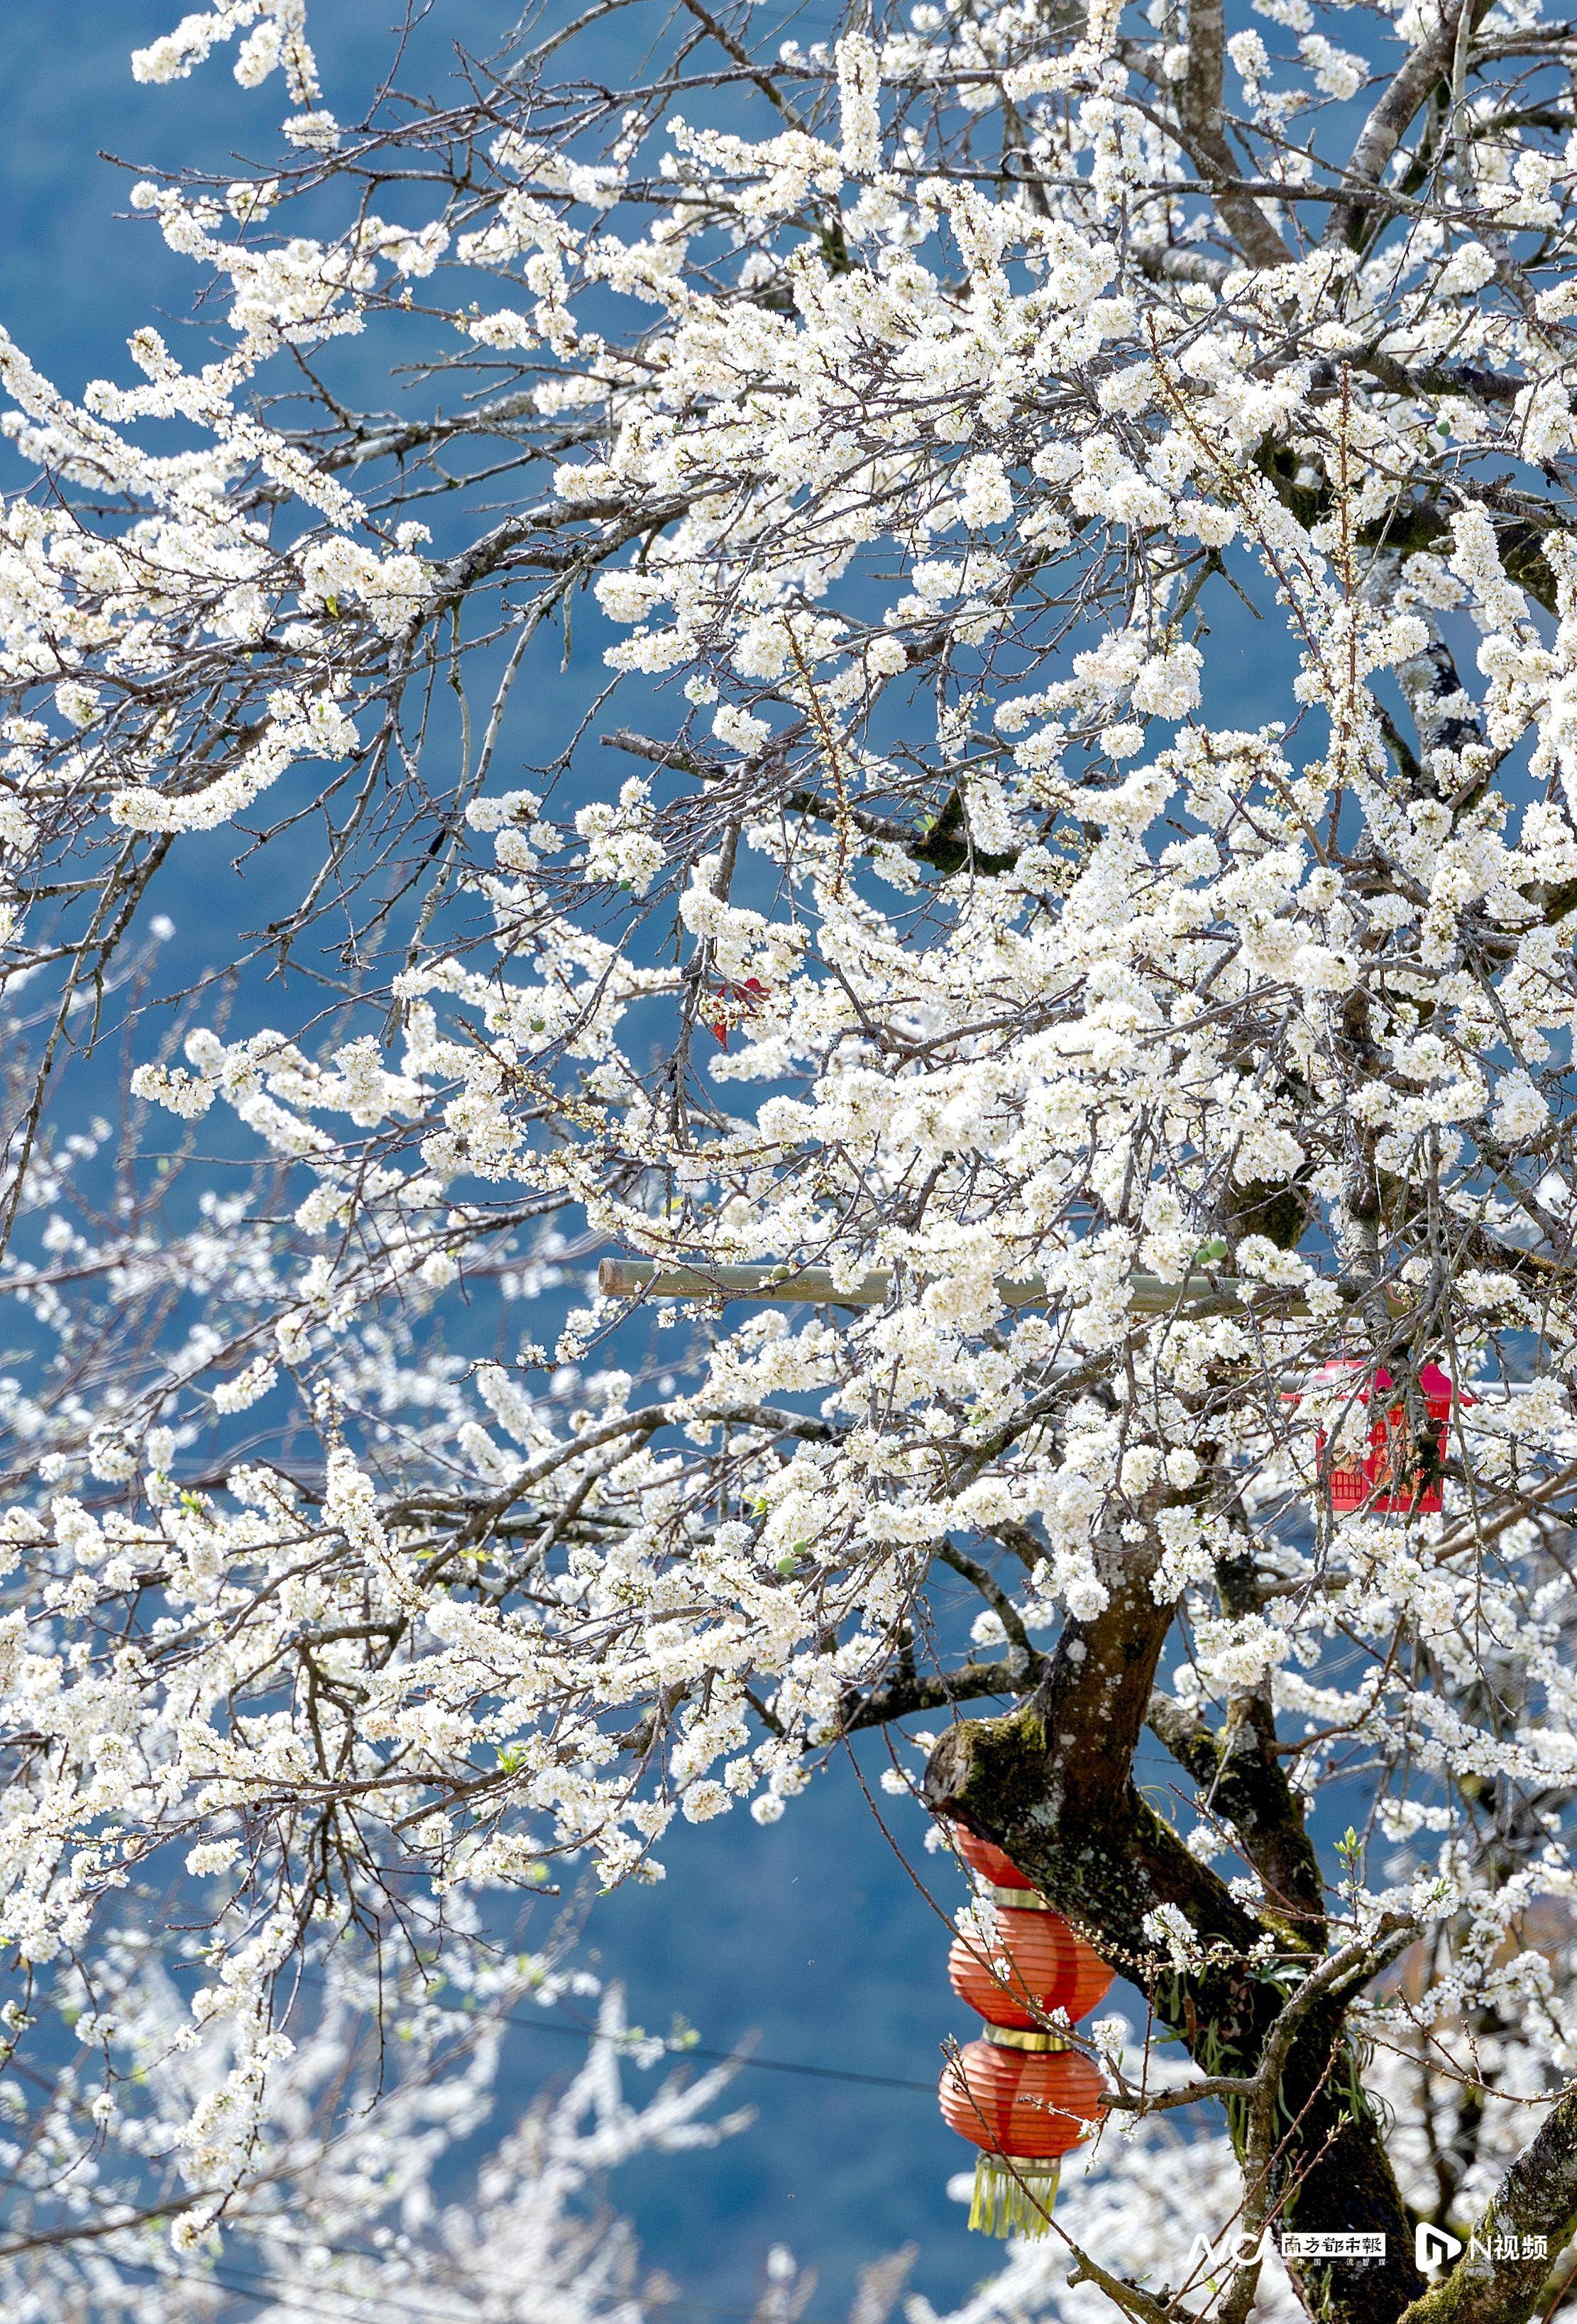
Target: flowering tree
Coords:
[[1094, 1094]]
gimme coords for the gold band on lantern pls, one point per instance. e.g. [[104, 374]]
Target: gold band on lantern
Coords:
[[1011, 2037], [1018, 1900]]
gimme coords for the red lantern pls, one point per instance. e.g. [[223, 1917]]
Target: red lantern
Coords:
[[1390, 1481], [1022, 2095], [1034, 1965], [1024, 2108]]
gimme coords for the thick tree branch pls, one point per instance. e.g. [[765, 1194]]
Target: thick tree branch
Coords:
[[1388, 120], [934, 1691], [1244, 1780], [1200, 113], [1537, 2199]]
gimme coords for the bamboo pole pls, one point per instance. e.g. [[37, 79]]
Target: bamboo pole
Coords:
[[1147, 1295]]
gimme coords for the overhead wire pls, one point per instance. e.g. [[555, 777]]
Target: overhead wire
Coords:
[[628, 2043], [737, 2058]]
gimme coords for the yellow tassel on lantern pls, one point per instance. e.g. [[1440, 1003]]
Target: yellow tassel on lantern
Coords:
[[1012, 2198]]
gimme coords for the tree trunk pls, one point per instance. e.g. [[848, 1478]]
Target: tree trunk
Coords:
[[1052, 1784]]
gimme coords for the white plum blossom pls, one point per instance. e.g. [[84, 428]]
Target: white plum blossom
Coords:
[[876, 746]]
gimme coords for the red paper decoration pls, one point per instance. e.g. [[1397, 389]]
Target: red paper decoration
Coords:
[[1032, 2104], [1389, 1480], [988, 1862], [1024, 2096], [1035, 1964]]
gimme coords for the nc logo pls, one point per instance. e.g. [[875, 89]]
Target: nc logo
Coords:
[[1432, 2247]]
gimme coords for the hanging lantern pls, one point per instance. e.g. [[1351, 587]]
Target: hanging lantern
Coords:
[[1033, 1965], [1034, 1958], [1391, 1480], [1022, 2094], [1024, 2108]]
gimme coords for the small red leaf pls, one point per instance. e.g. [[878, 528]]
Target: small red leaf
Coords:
[[750, 991]]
